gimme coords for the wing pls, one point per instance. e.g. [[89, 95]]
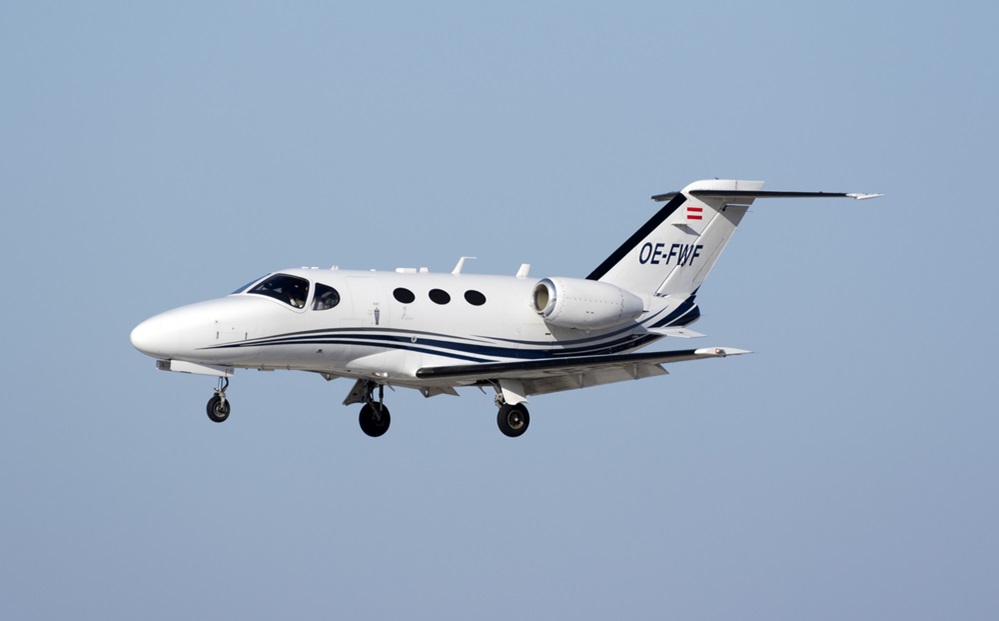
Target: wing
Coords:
[[556, 374]]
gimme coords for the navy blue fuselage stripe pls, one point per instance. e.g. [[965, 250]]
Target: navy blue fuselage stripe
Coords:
[[473, 352], [356, 329], [422, 350], [447, 348], [637, 238], [445, 340], [678, 312], [688, 318]]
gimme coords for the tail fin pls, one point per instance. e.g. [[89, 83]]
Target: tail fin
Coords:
[[675, 250]]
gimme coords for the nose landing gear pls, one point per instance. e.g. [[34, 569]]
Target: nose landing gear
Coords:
[[218, 405], [374, 417]]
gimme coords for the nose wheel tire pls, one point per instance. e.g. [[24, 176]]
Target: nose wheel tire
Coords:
[[218, 409], [374, 419], [513, 420]]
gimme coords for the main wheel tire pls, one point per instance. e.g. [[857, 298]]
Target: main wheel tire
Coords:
[[374, 419], [513, 420], [218, 410]]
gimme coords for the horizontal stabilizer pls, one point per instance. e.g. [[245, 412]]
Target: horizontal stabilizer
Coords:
[[677, 332], [763, 194]]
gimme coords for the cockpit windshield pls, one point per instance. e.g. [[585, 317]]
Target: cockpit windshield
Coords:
[[245, 287], [291, 290]]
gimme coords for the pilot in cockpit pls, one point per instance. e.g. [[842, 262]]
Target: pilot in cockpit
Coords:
[[297, 293], [326, 298]]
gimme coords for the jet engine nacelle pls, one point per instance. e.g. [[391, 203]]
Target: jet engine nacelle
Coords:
[[584, 304]]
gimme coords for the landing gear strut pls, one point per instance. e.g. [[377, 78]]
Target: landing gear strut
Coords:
[[218, 405], [374, 417]]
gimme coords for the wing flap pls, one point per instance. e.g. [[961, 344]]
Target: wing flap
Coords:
[[557, 374], [556, 382]]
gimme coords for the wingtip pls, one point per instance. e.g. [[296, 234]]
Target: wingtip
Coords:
[[721, 351], [863, 197]]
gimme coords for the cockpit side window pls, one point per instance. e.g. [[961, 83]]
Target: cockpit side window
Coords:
[[326, 297], [291, 290]]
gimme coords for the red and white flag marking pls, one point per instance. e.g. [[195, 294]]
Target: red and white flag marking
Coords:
[[695, 213]]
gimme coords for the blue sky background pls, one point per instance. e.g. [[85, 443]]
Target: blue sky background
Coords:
[[156, 156]]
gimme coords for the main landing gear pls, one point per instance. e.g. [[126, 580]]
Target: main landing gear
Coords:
[[513, 420], [374, 417], [218, 405]]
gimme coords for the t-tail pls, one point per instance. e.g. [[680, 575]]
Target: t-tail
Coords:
[[673, 253]]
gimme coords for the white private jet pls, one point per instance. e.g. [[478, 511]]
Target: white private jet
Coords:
[[438, 332]]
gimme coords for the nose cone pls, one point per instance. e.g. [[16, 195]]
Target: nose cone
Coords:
[[155, 337], [177, 333], [194, 333]]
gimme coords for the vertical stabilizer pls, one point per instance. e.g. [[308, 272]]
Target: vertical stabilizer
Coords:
[[675, 250]]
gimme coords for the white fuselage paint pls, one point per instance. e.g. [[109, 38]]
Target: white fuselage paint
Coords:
[[370, 334]]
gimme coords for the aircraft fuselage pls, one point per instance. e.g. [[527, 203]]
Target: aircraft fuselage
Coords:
[[384, 325]]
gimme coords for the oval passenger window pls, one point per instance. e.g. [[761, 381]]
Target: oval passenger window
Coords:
[[474, 298], [404, 295], [440, 296]]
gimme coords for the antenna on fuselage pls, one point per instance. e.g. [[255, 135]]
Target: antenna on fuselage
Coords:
[[461, 264]]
